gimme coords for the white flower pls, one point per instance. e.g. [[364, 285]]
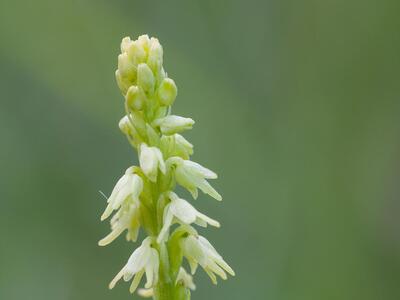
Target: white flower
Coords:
[[183, 212], [182, 146], [192, 175], [129, 185], [151, 160], [176, 145], [127, 218], [185, 279], [143, 260], [199, 251], [173, 124]]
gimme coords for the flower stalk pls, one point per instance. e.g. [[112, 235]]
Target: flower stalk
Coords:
[[144, 196]]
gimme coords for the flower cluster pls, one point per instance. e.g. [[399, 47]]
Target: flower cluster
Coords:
[[143, 197]]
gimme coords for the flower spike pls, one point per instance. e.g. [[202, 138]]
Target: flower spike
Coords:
[[143, 198]]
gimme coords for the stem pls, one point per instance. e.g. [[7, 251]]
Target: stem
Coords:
[[164, 289]]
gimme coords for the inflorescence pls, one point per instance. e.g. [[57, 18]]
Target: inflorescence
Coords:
[[143, 197]]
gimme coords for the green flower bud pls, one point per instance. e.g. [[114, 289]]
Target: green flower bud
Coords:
[[145, 78], [167, 92], [135, 98]]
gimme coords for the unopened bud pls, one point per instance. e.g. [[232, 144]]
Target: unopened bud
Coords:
[[126, 41], [123, 83], [135, 98], [126, 66], [155, 59], [167, 92], [173, 124], [144, 41], [136, 52], [145, 78], [124, 125]]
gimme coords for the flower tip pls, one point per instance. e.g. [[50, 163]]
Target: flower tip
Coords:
[[102, 243]]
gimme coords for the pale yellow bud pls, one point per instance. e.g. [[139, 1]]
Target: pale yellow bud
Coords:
[[123, 83], [135, 98], [125, 66], [155, 59], [144, 41], [145, 78], [126, 41], [167, 92], [136, 52]]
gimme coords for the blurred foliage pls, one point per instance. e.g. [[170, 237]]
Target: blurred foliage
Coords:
[[296, 106]]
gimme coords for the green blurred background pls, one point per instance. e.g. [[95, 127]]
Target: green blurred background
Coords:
[[296, 106]]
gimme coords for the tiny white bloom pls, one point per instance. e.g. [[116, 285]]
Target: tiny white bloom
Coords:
[[199, 251], [143, 260], [183, 212], [127, 218], [176, 145], [183, 146], [129, 185], [185, 279], [151, 160], [192, 175], [173, 124]]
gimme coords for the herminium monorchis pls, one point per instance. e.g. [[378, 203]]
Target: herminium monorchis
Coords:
[[144, 197]]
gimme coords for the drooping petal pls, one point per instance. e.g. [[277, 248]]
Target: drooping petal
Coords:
[[136, 281], [168, 217], [151, 269], [150, 160], [183, 211], [199, 169], [138, 259]]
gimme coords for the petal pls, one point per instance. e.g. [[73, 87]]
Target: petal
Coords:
[[183, 211], [208, 220], [136, 281], [120, 183], [111, 236], [161, 163], [138, 259], [151, 269], [206, 188], [116, 278], [148, 162], [168, 217], [212, 276], [199, 169], [216, 269]]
